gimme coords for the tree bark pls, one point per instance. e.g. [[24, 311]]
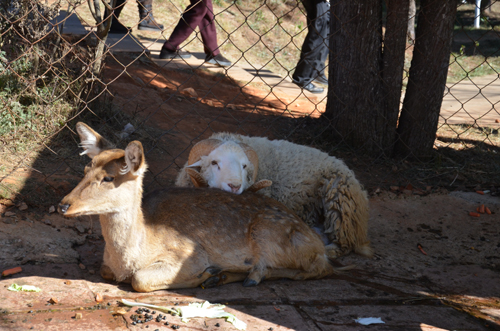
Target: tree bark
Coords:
[[354, 68], [427, 80], [365, 72], [394, 48]]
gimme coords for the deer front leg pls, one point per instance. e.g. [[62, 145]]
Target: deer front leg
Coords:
[[160, 276]]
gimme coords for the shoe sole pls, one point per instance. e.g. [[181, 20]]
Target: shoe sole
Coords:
[[220, 64], [175, 56], [149, 29]]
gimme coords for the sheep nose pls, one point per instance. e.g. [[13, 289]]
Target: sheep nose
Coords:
[[234, 188], [63, 208]]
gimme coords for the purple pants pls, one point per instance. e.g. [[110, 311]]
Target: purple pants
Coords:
[[198, 14]]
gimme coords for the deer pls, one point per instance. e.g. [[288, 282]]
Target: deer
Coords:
[[187, 237]]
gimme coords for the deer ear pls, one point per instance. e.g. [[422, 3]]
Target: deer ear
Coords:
[[92, 142], [134, 158]]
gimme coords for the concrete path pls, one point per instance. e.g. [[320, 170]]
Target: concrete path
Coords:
[[472, 101]]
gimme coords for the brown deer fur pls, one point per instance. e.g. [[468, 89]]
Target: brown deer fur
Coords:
[[185, 237]]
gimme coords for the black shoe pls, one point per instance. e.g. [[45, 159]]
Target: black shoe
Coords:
[[218, 60], [117, 27], [321, 79], [311, 88], [165, 54]]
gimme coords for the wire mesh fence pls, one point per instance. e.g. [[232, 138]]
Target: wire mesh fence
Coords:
[[59, 65]]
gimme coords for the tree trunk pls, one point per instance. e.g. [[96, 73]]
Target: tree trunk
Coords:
[[427, 80], [365, 72], [392, 70], [354, 68]]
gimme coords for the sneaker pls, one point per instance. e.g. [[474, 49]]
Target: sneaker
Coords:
[[218, 60], [166, 54]]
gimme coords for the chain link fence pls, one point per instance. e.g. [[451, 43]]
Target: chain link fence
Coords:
[[59, 66]]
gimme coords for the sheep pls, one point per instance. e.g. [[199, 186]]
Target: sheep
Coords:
[[185, 237], [319, 188]]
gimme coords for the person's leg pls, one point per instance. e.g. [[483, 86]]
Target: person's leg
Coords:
[[208, 34], [208, 31], [190, 19], [147, 21], [116, 26], [315, 43]]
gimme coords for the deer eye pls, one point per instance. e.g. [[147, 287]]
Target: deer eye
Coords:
[[214, 162], [108, 179]]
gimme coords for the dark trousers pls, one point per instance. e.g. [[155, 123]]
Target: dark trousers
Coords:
[[315, 48], [198, 14]]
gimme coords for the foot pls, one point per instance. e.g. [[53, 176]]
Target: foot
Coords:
[[150, 25], [311, 88], [321, 79], [218, 60], [166, 54], [117, 27]]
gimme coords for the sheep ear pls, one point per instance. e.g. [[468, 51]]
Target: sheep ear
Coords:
[[92, 142], [196, 178], [263, 183]]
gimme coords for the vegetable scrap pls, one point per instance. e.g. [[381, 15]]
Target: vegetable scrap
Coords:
[[11, 271], [23, 288], [197, 309], [421, 249], [369, 320], [482, 209]]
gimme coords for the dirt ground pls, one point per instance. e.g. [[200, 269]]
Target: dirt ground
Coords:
[[452, 286], [450, 283]]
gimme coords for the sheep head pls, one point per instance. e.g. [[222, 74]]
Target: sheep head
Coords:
[[227, 165]]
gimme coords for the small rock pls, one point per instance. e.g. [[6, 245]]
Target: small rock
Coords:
[[80, 228], [23, 206], [98, 297], [89, 231], [120, 311], [53, 301], [497, 121], [9, 214], [78, 316], [9, 220], [92, 271], [52, 209], [48, 222], [82, 266], [190, 91]]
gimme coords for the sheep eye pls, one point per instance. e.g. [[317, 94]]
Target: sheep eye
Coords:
[[108, 179], [244, 166], [214, 162]]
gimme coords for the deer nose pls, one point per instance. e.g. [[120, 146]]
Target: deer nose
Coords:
[[234, 188], [63, 208]]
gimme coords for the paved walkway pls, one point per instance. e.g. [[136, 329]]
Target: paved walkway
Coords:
[[472, 101]]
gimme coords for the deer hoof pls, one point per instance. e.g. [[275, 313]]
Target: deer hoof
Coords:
[[211, 282], [249, 282]]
